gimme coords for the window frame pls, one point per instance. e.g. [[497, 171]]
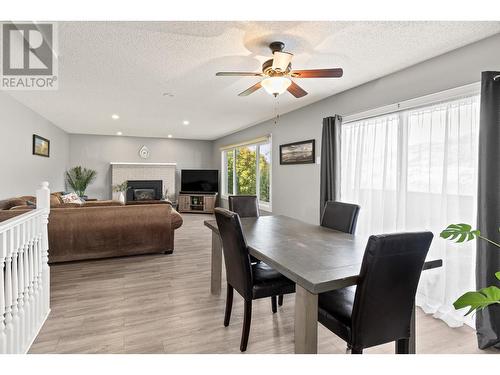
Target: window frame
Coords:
[[265, 206]]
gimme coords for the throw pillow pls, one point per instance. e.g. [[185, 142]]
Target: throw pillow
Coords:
[[71, 198]]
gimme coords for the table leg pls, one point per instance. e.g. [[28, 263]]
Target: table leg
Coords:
[[306, 321], [216, 273], [408, 346]]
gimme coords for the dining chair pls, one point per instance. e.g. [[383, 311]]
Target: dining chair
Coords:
[[244, 205], [340, 216], [251, 281], [248, 206], [379, 308]]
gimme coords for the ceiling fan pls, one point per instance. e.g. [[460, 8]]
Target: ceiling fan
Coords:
[[277, 73]]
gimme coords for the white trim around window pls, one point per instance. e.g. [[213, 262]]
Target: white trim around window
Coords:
[[442, 96], [265, 206]]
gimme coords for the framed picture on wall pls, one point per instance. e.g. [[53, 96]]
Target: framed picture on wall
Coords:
[[298, 152], [41, 146]]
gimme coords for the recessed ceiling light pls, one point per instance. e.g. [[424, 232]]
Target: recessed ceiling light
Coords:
[[185, 122], [115, 116], [119, 133], [169, 136]]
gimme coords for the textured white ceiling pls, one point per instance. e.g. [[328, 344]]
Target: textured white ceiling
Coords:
[[126, 67]]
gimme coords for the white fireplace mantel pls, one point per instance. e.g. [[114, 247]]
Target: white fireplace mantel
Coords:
[[146, 164], [124, 171]]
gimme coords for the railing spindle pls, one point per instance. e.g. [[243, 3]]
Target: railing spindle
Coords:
[[20, 294], [3, 335], [24, 276], [8, 296]]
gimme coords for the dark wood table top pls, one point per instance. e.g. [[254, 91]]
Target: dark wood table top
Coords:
[[317, 258]]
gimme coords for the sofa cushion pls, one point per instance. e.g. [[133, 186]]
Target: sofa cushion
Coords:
[[22, 207], [68, 205], [31, 198], [55, 199], [102, 203], [7, 204]]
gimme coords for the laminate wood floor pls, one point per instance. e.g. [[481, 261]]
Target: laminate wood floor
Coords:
[[162, 304]]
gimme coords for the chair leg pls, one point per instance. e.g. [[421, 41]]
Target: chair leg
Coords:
[[280, 300], [273, 304], [229, 305], [356, 351], [247, 319], [403, 346]]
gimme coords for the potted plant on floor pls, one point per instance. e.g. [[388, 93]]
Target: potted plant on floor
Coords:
[[484, 297], [121, 189], [79, 178]]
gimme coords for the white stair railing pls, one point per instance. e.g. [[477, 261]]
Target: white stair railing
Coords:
[[24, 275]]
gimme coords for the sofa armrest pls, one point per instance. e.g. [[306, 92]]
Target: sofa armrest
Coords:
[[176, 219]]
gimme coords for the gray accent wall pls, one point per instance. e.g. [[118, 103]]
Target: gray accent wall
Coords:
[[97, 151], [21, 172], [295, 188]]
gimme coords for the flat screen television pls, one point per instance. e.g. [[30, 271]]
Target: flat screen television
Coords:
[[200, 180]]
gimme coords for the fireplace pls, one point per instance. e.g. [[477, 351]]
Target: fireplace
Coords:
[[144, 190]]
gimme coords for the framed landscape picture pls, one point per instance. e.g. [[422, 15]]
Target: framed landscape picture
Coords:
[[41, 146], [298, 152]]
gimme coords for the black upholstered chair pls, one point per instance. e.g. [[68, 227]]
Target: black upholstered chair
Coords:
[[340, 216], [247, 206], [378, 309], [244, 205], [251, 281]]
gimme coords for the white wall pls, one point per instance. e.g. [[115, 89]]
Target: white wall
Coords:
[[97, 151], [296, 187], [20, 171]]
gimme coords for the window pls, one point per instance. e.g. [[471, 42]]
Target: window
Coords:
[[246, 170], [416, 170]]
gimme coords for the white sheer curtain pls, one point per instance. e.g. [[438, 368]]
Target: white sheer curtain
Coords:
[[417, 170]]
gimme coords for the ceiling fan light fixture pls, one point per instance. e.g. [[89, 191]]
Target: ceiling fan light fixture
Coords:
[[276, 85]]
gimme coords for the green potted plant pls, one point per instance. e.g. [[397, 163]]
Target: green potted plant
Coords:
[[121, 189], [79, 178], [484, 297]]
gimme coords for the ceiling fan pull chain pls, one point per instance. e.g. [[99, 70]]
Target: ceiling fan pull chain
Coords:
[[276, 110]]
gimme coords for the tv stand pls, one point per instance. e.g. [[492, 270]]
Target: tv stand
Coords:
[[197, 202]]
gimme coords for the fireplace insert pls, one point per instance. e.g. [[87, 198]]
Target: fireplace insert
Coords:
[[144, 190]]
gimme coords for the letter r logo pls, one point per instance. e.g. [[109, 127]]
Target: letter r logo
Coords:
[[27, 49]]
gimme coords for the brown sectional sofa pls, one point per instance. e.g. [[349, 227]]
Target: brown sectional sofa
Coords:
[[102, 229]]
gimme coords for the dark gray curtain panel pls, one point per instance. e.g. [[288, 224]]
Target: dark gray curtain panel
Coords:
[[488, 208], [330, 151]]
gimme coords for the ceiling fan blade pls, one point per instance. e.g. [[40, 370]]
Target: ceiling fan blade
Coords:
[[318, 73], [250, 89], [296, 90], [238, 74], [281, 60]]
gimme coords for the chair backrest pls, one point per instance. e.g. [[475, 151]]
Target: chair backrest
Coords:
[[244, 205], [236, 257], [340, 216], [386, 288]]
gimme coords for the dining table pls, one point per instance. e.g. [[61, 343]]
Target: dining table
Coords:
[[316, 258]]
